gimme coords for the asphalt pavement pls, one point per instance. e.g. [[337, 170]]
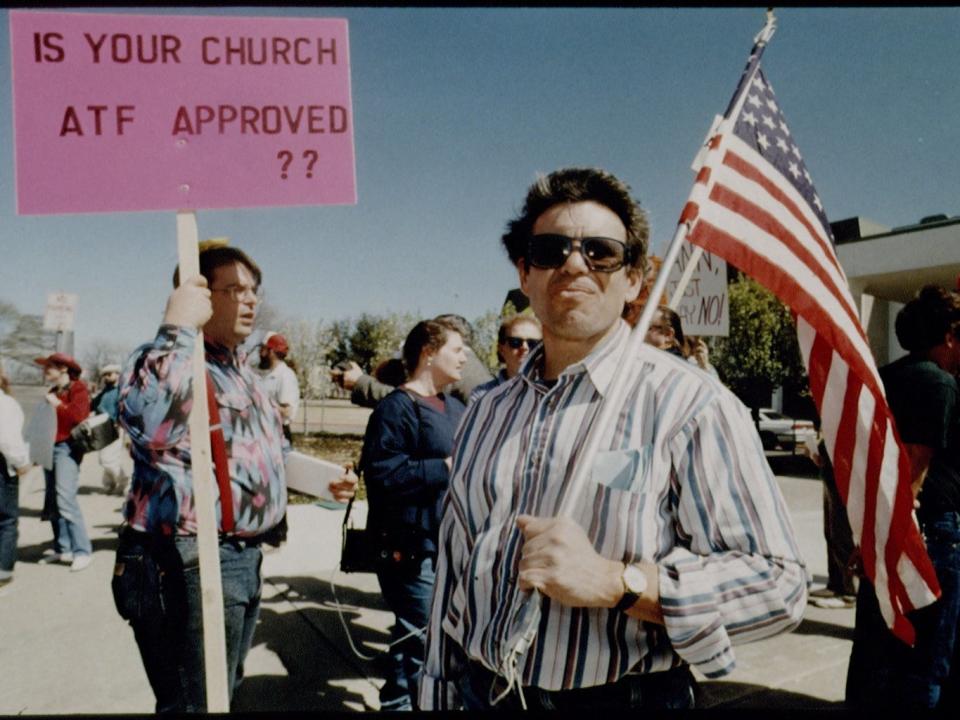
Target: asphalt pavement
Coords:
[[64, 649]]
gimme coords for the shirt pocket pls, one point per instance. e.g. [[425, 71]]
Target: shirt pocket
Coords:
[[623, 470]]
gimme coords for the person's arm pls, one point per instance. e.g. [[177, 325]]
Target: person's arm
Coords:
[[12, 446], [77, 406], [368, 391], [389, 462], [920, 457], [289, 399], [156, 387], [735, 573]]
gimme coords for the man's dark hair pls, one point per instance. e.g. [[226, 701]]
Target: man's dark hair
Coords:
[[218, 256], [570, 185], [426, 335], [923, 322]]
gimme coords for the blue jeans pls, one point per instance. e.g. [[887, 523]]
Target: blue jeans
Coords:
[[61, 505], [158, 591], [407, 592], [669, 690], [9, 514], [885, 672]]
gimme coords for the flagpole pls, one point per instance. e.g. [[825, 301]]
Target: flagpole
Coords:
[[760, 41]]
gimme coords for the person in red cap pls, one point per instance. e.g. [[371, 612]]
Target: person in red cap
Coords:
[[71, 401], [280, 379]]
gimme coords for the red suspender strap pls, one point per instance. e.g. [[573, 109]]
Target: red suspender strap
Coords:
[[221, 466]]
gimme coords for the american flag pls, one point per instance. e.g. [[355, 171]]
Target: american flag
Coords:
[[753, 203]]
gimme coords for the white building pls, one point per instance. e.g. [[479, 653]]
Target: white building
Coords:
[[886, 267]]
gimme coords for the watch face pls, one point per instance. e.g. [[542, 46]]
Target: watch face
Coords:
[[634, 579]]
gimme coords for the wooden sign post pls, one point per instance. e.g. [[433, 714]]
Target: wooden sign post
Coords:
[[208, 545]]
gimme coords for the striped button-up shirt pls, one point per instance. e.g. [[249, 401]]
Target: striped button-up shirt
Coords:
[[156, 394], [682, 482]]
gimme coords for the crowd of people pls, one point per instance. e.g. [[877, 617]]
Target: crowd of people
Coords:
[[653, 544]]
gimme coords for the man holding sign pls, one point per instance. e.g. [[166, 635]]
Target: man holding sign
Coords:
[[678, 542], [156, 582]]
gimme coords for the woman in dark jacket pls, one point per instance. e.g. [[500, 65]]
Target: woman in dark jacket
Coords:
[[406, 464]]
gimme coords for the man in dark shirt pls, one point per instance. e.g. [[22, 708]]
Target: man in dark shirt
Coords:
[[925, 401]]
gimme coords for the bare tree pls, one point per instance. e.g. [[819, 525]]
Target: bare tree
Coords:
[[22, 339]]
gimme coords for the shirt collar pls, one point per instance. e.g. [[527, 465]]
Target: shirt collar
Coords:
[[600, 365], [222, 354]]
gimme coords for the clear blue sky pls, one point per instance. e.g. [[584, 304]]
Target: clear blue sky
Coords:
[[456, 110]]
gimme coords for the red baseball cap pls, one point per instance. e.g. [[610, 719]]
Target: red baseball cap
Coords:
[[277, 343]]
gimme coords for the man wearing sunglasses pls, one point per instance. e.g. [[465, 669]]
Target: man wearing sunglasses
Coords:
[[518, 336], [679, 543]]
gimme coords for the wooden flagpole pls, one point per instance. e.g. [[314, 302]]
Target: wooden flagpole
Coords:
[[208, 545]]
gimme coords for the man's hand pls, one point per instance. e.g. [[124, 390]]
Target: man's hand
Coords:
[[558, 559], [25, 470], [53, 400], [345, 487], [350, 376], [189, 305]]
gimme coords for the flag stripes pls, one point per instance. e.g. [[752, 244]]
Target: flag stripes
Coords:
[[753, 204]]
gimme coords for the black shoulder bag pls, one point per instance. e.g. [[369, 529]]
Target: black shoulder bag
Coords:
[[365, 550]]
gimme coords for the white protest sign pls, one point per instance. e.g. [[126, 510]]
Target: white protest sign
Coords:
[[703, 308], [61, 308]]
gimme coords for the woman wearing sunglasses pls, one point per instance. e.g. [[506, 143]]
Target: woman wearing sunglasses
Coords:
[[406, 465], [516, 339]]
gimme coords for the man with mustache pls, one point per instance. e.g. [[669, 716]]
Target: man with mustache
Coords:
[[680, 542]]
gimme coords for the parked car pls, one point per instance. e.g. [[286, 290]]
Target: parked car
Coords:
[[778, 429]]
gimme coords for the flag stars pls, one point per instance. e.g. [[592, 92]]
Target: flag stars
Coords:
[[771, 103], [816, 201], [749, 117], [782, 144], [768, 121], [762, 141], [758, 83], [754, 100], [784, 128], [794, 170], [796, 151], [806, 175]]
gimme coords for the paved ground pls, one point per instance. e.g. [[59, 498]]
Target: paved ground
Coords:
[[64, 650]]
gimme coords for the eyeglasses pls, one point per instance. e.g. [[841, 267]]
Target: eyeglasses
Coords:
[[600, 254], [515, 343], [239, 293]]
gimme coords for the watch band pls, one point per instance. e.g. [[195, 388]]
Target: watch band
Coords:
[[628, 600]]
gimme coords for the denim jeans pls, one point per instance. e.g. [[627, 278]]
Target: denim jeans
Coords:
[[669, 690], [407, 592], [61, 505], [9, 514], [158, 591], [885, 672]]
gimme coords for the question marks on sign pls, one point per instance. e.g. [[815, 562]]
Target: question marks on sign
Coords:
[[310, 156], [286, 163], [314, 155]]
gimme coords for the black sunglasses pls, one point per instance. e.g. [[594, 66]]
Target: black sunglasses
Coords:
[[599, 253], [514, 343]]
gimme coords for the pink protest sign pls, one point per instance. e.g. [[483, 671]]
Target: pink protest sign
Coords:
[[145, 112]]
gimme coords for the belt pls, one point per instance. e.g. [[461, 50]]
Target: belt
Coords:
[[652, 684], [238, 541]]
